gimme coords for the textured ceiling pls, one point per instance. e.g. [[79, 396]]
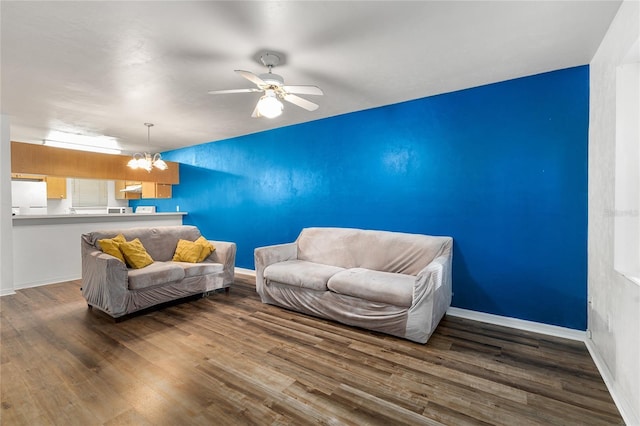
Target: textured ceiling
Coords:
[[105, 68]]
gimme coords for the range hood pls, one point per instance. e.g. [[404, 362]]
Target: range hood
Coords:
[[137, 189]]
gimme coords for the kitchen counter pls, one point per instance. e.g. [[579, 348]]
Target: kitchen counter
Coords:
[[57, 219]]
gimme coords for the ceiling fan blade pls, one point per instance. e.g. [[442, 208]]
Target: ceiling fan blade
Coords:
[[222, 92], [252, 78], [255, 113], [304, 90], [301, 102]]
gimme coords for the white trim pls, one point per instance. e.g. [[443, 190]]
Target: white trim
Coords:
[[7, 292], [536, 327], [623, 405], [48, 281], [244, 271]]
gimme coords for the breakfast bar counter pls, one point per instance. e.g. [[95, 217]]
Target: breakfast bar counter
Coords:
[[57, 219]]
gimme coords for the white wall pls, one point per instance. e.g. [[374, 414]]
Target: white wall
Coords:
[[6, 232], [614, 300], [627, 177]]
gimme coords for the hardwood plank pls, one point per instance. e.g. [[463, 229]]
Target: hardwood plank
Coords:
[[228, 359], [387, 411]]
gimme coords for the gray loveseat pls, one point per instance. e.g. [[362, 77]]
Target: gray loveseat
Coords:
[[109, 285], [391, 282]]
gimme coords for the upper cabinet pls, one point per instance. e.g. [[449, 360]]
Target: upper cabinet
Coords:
[[139, 190], [48, 161], [58, 164], [156, 190], [56, 187]]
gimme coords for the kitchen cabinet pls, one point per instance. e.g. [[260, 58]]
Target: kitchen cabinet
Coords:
[[156, 190], [56, 187], [121, 195], [149, 190], [28, 158]]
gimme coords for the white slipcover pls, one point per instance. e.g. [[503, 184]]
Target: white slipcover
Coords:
[[392, 282]]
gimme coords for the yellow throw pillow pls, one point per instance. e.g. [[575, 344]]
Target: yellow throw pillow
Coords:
[[187, 251], [207, 248], [112, 246], [135, 254]]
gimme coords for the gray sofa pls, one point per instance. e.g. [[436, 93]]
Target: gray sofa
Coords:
[[110, 286], [391, 282]]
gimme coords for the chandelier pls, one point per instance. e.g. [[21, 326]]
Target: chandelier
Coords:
[[145, 160]]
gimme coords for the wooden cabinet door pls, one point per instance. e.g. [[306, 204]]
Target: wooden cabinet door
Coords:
[[56, 187], [156, 190], [148, 190], [163, 190]]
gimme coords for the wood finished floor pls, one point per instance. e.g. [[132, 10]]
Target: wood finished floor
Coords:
[[229, 359]]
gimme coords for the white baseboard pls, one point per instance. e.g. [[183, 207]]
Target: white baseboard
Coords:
[[536, 327], [22, 286], [48, 281], [244, 271], [625, 407], [7, 292]]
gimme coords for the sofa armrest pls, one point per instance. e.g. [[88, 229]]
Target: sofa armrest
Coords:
[[104, 282], [225, 253], [431, 298], [432, 277], [268, 255]]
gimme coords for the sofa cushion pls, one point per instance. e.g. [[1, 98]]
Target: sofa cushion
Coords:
[[112, 246], [375, 286], [300, 273], [187, 251], [207, 248], [158, 273], [198, 269], [135, 254]]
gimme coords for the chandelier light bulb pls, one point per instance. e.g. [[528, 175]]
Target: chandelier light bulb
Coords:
[[159, 163]]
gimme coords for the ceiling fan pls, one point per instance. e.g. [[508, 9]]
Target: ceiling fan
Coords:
[[274, 90]]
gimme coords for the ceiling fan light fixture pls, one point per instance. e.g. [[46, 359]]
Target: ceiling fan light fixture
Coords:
[[275, 92], [269, 105]]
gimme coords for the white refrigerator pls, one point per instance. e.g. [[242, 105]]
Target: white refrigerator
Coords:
[[28, 197]]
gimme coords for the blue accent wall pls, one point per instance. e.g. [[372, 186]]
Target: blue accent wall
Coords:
[[501, 168]]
